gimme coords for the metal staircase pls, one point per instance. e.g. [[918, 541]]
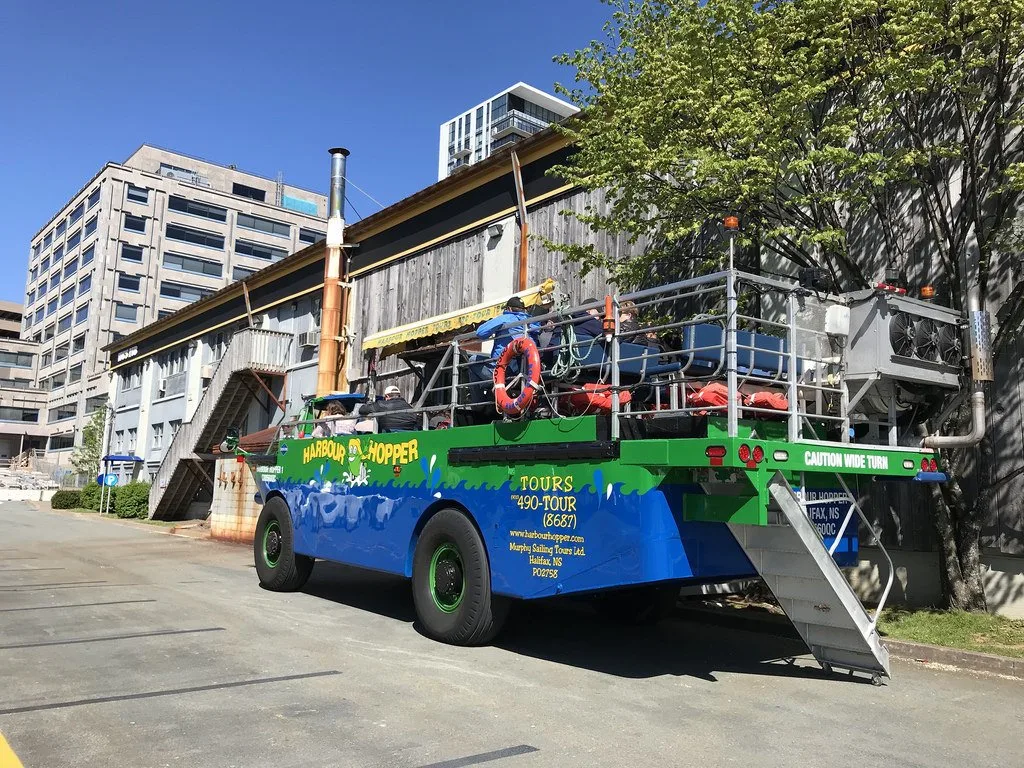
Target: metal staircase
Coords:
[[794, 562], [183, 473]]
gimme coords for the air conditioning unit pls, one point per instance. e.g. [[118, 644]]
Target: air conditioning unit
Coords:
[[901, 350], [309, 339], [206, 372], [161, 386]]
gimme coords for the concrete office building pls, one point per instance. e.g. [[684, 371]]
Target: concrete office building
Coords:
[[140, 240], [503, 119], [22, 403]]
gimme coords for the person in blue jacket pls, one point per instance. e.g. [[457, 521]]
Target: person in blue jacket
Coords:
[[514, 310]]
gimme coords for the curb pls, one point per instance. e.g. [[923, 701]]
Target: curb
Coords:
[[920, 653]]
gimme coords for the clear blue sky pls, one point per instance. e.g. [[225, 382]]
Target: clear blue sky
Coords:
[[266, 86]]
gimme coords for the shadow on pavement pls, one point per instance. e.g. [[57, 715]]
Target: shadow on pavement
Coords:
[[567, 631]]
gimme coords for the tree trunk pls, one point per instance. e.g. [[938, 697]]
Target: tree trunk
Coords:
[[958, 526]]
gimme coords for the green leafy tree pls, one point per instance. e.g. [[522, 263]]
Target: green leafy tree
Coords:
[[827, 127], [86, 457]]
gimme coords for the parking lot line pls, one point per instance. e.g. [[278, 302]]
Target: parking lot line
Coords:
[[167, 692], [132, 636], [484, 757], [7, 757], [75, 605]]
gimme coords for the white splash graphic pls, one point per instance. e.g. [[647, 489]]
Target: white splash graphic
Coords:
[[608, 491]]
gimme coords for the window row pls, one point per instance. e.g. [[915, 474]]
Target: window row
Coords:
[[70, 220]]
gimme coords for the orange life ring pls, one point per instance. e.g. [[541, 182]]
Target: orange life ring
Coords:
[[522, 346]]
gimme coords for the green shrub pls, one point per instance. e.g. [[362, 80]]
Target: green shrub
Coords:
[[66, 500], [132, 500], [91, 497]]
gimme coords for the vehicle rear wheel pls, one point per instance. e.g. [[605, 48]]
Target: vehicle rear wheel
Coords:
[[280, 569], [451, 582], [648, 604]]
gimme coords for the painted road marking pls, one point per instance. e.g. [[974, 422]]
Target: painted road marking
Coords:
[[133, 636], [169, 692], [74, 605], [485, 757], [7, 757]]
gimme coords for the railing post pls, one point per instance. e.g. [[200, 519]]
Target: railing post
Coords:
[[615, 367], [455, 381], [731, 306], [791, 364]]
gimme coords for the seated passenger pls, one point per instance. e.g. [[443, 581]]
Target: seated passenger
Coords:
[[336, 422], [514, 310], [587, 324], [629, 327], [387, 421]]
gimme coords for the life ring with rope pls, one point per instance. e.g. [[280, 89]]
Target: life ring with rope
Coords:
[[524, 348]]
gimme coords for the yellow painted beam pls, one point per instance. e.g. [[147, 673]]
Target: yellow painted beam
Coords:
[[7, 757]]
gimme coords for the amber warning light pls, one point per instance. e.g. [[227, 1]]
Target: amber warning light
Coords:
[[732, 223], [927, 292]]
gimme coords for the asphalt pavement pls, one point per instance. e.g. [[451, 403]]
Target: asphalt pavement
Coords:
[[124, 646]]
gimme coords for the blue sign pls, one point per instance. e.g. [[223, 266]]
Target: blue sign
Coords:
[[828, 517], [110, 480]]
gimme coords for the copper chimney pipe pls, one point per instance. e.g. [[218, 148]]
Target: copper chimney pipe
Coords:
[[335, 275]]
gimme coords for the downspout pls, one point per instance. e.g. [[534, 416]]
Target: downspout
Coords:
[[981, 372], [331, 303]]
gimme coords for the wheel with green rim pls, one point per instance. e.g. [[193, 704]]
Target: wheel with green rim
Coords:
[[278, 566], [451, 582]]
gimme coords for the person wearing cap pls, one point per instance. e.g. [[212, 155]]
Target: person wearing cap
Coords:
[[383, 411], [502, 335]]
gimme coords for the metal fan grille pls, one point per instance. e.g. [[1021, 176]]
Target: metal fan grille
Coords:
[[926, 339], [950, 345], [901, 334]]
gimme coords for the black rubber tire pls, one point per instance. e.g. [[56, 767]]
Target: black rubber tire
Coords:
[[290, 571], [638, 606], [480, 614]]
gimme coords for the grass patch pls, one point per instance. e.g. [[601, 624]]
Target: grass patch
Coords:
[[83, 510], [955, 629]]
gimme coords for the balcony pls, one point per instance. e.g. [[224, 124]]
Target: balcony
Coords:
[[516, 123]]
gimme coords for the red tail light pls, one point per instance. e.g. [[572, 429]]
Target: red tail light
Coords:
[[924, 465], [744, 453], [715, 452], [758, 454], [933, 465]]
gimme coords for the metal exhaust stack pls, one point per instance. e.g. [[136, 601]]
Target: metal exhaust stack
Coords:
[[335, 274], [981, 372]]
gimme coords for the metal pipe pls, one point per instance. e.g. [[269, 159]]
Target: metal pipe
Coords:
[[331, 303], [981, 371]]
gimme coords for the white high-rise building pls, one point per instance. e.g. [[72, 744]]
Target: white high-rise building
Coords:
[[503, 119], [140, 240]]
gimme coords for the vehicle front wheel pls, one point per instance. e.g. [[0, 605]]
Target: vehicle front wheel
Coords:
[[280, 569], [451, 582]]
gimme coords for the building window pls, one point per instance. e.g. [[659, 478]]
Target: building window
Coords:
[[58, 254], [259, 251], [240, 273], [94, 197], [53, 383], [131, 378], [16, 383], [16, 359], [197, 208], [95, 403], [119, 440], [175, 425], [137, 194], [134, 223], [62, 227], [259, 224], [55, 281], [77, 213], [51, 306], [195, 236], [75, 373], [39, 315], [68, 296], [132, 435], [61, 442], [310, 235], [76, 237], [182, 292], [183, 263], [33, 274], [48, 240], [158, 436], [63, 412], [10, 413], [70, 269], [30, 298], [251, 193], [126, 312], [78, 344], [131, 252], [64, 323], [61, 353], [48, 333], [128, 282], [44, 265], [87, 254], [162, 313], [90, 226], [46, 360]]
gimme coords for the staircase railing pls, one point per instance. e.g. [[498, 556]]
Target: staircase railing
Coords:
[[251, 349]]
